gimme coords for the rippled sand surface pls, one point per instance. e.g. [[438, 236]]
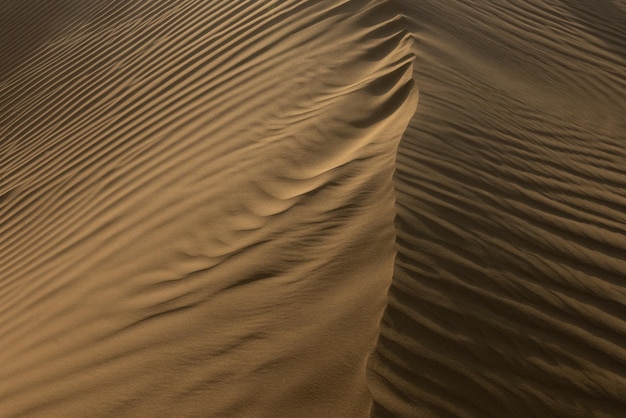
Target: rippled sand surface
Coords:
[[508, 296], [238, 208]]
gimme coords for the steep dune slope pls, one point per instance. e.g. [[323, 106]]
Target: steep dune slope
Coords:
[[508, 295], [196, 205]]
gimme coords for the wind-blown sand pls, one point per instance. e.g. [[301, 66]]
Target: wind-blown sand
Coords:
[[197, 204]]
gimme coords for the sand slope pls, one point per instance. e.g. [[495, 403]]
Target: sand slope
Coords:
[[508, 296], [197, 206]]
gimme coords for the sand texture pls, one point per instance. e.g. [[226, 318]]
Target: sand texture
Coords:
[[312, 208], [508, 296]]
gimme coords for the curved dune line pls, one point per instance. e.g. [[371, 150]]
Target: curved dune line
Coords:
[[508, 290], [197, 202], [196, 211]]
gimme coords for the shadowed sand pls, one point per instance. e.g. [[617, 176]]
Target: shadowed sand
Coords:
[[508, 291], [197, 205]]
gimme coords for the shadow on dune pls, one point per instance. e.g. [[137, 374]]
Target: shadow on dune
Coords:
[[603, 19], [19, 40], [508, 295]]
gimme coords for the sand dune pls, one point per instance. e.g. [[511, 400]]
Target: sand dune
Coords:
[[197, 204], [197, 210]]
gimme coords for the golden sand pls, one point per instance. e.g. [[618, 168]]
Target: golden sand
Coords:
[[237, 208]]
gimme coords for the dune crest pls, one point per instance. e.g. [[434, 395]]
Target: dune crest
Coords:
[[232, 208]]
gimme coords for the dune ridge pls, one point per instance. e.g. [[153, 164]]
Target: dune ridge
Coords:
[[236, 208], [197, 206]]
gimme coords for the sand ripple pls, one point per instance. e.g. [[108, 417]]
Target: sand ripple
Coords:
[[509, 286], [197, 206]]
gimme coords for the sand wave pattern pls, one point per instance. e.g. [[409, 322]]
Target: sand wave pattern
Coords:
[[237, 208], [196, 205], [508, 296]]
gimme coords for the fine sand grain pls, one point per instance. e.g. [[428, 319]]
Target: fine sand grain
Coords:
[[197, 205]]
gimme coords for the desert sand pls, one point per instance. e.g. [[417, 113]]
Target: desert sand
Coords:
[[313, 208]]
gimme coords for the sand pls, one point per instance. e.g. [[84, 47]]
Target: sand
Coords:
[[329, 208]]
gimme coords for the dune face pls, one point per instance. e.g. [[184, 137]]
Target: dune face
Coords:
[[238, 208], [508, 291], [197, 206]]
